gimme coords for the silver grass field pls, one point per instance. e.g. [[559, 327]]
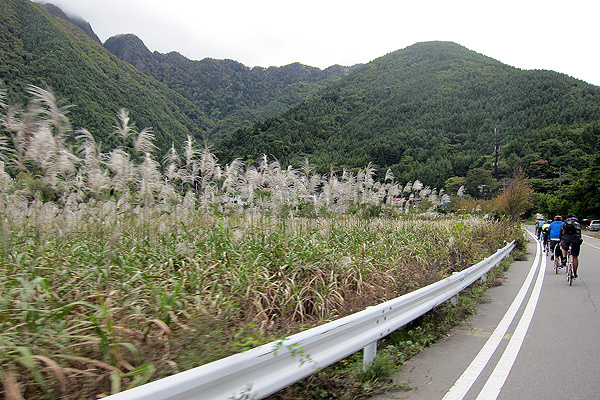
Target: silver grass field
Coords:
[[117, 269]]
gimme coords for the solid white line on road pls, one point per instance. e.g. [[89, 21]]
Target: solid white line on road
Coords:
[[494, 384], [466, 380]]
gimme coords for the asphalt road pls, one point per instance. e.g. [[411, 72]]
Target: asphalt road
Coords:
[[535, 338]]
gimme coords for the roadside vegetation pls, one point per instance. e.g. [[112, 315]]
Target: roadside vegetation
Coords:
[[100, 300], [116, 269], [347, 380]]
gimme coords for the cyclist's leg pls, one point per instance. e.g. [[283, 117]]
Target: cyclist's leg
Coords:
[[558, 255], [563, 253], [575, 248]]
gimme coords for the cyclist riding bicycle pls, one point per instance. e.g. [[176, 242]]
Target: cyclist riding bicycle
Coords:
[[538, 228], [544, 234], [570, 235], [554, 236], [539, 231]]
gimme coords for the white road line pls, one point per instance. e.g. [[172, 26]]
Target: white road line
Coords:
[[466, 380], [494, 384]]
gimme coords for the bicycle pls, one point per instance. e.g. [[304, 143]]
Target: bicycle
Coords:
[[553, 253], [570, 274]]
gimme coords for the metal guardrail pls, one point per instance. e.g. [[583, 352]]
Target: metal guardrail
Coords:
[[264, 370]]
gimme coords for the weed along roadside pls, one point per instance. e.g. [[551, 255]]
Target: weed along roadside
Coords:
[[348, 380], [97, 301]]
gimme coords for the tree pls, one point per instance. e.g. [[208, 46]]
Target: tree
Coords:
[[479, 183], [518, 197], [583, 196], [454, 183]]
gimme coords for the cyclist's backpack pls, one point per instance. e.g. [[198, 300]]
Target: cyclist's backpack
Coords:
[[569, 226], [545, 228]]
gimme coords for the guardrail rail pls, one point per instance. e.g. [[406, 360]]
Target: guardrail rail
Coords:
[[261, 371]]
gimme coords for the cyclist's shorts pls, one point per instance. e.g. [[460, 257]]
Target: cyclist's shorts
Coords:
[[575, 246]]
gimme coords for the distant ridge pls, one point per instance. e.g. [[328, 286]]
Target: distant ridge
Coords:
[[233, 93]]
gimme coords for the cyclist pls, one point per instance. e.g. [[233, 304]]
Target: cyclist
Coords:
[[538, 228], [570, 235], [544, 235], [554, 236]]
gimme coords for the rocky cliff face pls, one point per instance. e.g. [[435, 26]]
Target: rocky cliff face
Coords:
[[77, 21], [130, 48]]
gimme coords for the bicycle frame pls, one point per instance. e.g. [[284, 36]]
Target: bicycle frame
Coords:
[[569, 267], [556, 251]]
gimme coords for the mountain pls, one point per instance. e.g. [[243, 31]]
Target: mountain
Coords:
[[231, 94], [43, 46], [82, 24], [429, 112], [45, 49]]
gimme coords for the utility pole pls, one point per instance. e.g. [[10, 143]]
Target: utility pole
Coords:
[[496, 151]]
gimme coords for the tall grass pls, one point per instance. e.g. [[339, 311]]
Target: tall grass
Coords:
[[97, 300], [115, 269], [41, 155]]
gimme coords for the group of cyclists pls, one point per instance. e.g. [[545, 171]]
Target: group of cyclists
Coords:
[[557, 235]]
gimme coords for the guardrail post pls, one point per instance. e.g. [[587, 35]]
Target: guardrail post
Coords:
[[369, 354], [454, 300], [484, 278]]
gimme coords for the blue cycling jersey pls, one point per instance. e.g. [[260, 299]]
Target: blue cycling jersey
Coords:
[[555, 230]]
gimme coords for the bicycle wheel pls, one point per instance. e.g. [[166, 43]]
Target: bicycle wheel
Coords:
[[570, 268], [556, 256]]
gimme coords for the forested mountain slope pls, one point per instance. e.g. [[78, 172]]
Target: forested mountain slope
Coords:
[[429, 112], [230, 93], [37, 48], [42, 46]]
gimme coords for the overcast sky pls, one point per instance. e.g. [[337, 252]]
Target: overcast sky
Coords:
[[557, 35]]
